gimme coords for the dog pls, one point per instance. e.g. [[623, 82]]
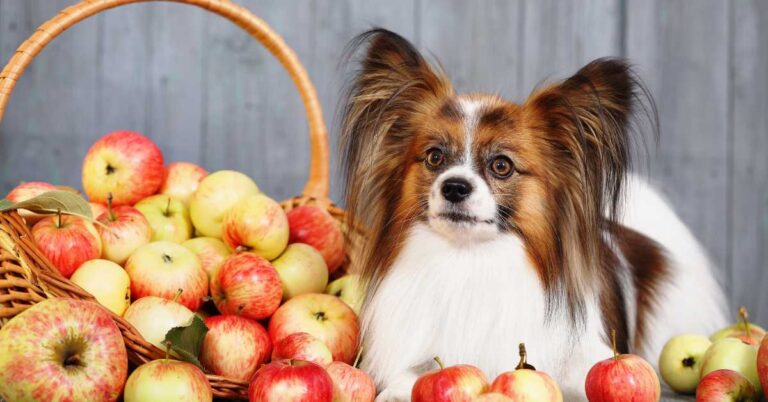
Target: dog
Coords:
[[492, 223]]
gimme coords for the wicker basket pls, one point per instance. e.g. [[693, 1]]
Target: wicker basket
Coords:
[[27, 277]]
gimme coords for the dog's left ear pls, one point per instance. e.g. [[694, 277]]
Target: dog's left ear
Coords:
[[585, 119]]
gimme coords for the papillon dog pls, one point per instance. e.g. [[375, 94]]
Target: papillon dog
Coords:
[[491, 223]]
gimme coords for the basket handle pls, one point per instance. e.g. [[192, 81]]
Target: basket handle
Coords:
[[317, 182]]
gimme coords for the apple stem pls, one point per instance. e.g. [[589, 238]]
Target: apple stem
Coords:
[[109, 208], [167, 206], [439, 362], [178, 294], [167, 349], [613, 344], [744, 314], [357, 358], [58, 221], [240, 309], [523, 356]]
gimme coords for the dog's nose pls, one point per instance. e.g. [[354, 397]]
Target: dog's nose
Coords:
[[456, 189]]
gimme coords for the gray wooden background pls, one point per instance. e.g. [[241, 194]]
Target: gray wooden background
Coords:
[[207, 93]]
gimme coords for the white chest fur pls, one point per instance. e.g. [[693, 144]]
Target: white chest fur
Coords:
[[468, 303]]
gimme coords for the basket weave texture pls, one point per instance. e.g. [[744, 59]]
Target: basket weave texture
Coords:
[[27, 277]]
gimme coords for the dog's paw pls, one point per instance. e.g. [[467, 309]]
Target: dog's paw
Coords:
[[394, 394]]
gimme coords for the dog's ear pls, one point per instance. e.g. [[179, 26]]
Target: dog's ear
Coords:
[[586, 120]]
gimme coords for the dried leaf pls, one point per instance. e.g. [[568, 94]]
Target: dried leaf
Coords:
[[51, 202]]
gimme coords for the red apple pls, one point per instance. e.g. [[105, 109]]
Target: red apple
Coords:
[[168, 380], [25, 191], [62, 350], [234, 346], [162, 268], [211, 251], [124, 163], [449, 384], [302, 346], [291, 380], [350, 384], [762, 363], [725, 386], [67, 241], [323, 316], [256, 224], [622, 378], [248, 285], [316, 227], [525, 384], [181, 180], [125, 229]]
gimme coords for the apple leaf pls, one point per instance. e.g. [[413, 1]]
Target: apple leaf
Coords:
[[52, 202], [188, 341]]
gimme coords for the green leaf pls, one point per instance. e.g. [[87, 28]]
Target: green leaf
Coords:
[[187, 341], [51, 202]]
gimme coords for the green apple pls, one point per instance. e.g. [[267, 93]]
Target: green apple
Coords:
[[211, 251], [743, 330], [349, 289], [732, 354], [215, 196], [107, 282], [167, 216], [302, 270], [680, 362]]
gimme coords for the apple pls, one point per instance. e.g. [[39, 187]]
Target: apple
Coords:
[[762, 363], [316, 227], [154, 316], [168, 217], [124, 163], [62, 350], [743, 330], [455, 383], [291, 380], [25, 191], [124, 230], [97, 209], [525, 384], [215, 196], [732, 354], [107, 282], [211, 251], [350, 289], [726, 386], [167, 380], [181, 180], [622, 378], [162, 268], [350, 384], [248, 285], [323, 316], [680, 362], [492, 397], [67, 241], [302, 270], [302, 346], [257, 224], [235, 347]]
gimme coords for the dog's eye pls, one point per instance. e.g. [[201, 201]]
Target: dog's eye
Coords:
[[434, 158], [501, 167]]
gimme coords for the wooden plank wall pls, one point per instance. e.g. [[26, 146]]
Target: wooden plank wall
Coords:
[[207, 93]]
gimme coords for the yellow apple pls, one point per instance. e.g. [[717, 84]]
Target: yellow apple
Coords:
[[257, 224], [302, 270], [216, 194], [107, 282], [211, 251], [167, 216], [154, 316]]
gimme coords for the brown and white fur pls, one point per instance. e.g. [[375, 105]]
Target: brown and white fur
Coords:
[[493, 223]]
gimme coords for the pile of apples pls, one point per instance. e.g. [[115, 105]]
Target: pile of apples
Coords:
[[169, 243], [729, 365]]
